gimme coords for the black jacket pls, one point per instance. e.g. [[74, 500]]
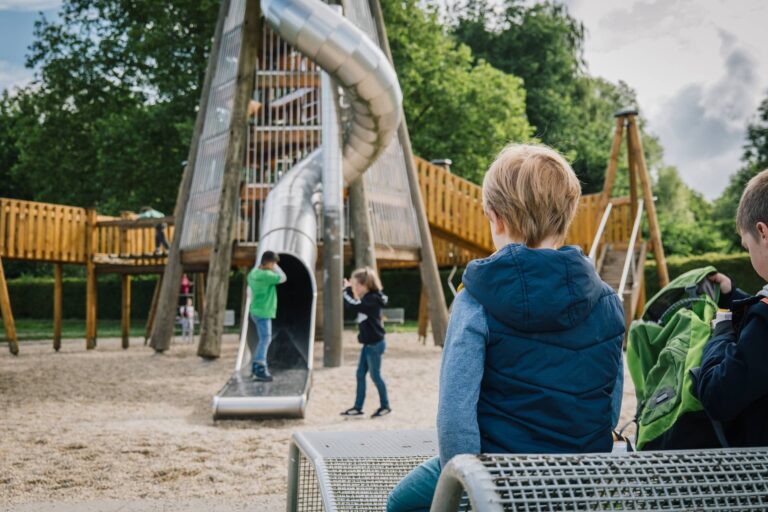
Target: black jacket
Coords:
[[368, 309], [732, 383]]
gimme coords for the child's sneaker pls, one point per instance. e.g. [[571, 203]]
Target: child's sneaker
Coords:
[[381, 411], [352, 412], [261, 374]]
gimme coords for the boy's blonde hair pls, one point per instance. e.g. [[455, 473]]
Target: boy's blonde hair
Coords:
[[753, 207], [368, 278], [534, 192]]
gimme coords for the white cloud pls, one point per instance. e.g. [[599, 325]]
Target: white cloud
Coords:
[[699, 68], [29, 5], [12, 76]]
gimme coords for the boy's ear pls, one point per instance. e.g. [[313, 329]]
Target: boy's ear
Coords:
[[496, 223], [762, 230]]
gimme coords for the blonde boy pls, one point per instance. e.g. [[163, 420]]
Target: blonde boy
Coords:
[[533, 351]]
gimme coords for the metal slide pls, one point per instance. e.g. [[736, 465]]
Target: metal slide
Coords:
[[289, 225]]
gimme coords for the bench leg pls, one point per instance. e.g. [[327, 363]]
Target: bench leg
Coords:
[[292, 502]]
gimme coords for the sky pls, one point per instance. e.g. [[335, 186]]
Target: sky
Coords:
[[700, 70], [699, 67]]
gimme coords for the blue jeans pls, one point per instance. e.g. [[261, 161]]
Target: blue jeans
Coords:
[[370, 361], [264, 331], [414, 492]]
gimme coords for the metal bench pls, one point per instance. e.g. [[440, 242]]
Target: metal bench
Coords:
[[733, 479], [352, 471], [355, 471]]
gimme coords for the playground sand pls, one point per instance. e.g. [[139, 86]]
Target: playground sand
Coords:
[[115, 426]]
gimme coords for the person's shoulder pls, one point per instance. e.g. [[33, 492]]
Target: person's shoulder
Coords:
[[759, 309]]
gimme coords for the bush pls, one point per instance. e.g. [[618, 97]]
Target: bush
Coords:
[[736, 266], [32, 297]]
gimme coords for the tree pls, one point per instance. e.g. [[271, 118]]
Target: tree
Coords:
[[457, 107], [755, 159], [543, 44], [108, 119]]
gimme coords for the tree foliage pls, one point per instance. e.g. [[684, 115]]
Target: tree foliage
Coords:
[[543, 44], [108, 119], [456, 107], [755, 159]]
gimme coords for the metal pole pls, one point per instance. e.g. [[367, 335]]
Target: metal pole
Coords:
[[333, 229]]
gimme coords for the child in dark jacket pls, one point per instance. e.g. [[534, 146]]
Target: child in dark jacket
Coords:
[[532, 357], [362, 294], [732, 382]]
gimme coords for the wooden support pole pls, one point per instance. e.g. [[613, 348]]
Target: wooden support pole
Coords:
[[650, 207], [438, 310], [90, 282], [162, 328], [153, 309], [200, 293], [57, 305], [360, 222], [5, 310], [125, 323], [613, 161], [423, 315], [219, 266], [244, 294], [633, 171]]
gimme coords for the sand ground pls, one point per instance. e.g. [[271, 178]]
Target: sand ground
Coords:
[[130, 430]]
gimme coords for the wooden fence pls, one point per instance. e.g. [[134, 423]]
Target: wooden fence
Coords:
[[42, 232]]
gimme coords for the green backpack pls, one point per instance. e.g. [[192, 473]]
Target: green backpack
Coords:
[[661, 349]]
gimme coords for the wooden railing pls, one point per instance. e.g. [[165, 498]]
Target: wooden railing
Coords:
[[125, 238], [52, 233], [42, 232], [454, 208]]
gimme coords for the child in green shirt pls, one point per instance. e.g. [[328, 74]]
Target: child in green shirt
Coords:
[[262, 282]]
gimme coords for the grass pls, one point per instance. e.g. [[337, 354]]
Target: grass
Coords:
[[28, 329], [40, 329]]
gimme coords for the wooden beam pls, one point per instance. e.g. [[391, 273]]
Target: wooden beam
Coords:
[[57, 305], [153, 309], [219, 267], [423, 314], [613, 160], [633, 170], [650, 207], [162, 330], [90, 282], [360, 223], [438, 310], [5, 310], [125, 323]]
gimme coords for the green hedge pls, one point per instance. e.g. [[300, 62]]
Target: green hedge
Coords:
[[736, 266], [33, 297]]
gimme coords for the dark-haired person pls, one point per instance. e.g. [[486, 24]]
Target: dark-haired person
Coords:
[[263, 281]]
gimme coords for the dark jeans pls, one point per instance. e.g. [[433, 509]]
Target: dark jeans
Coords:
[[160, 240], [370, 361]]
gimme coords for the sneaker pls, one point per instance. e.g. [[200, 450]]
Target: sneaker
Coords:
[[381, 411], [261, 374], [352, 412]]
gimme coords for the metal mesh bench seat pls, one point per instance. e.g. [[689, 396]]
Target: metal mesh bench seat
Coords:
[[352, 471], [722, 480]]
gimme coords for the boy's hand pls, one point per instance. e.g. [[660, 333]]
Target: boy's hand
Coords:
[[346, 283], [723, 280]]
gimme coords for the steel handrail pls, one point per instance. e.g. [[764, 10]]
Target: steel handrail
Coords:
[[600, 232], [630, 250]]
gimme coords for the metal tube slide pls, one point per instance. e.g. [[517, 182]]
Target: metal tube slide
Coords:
[[289, 224]]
